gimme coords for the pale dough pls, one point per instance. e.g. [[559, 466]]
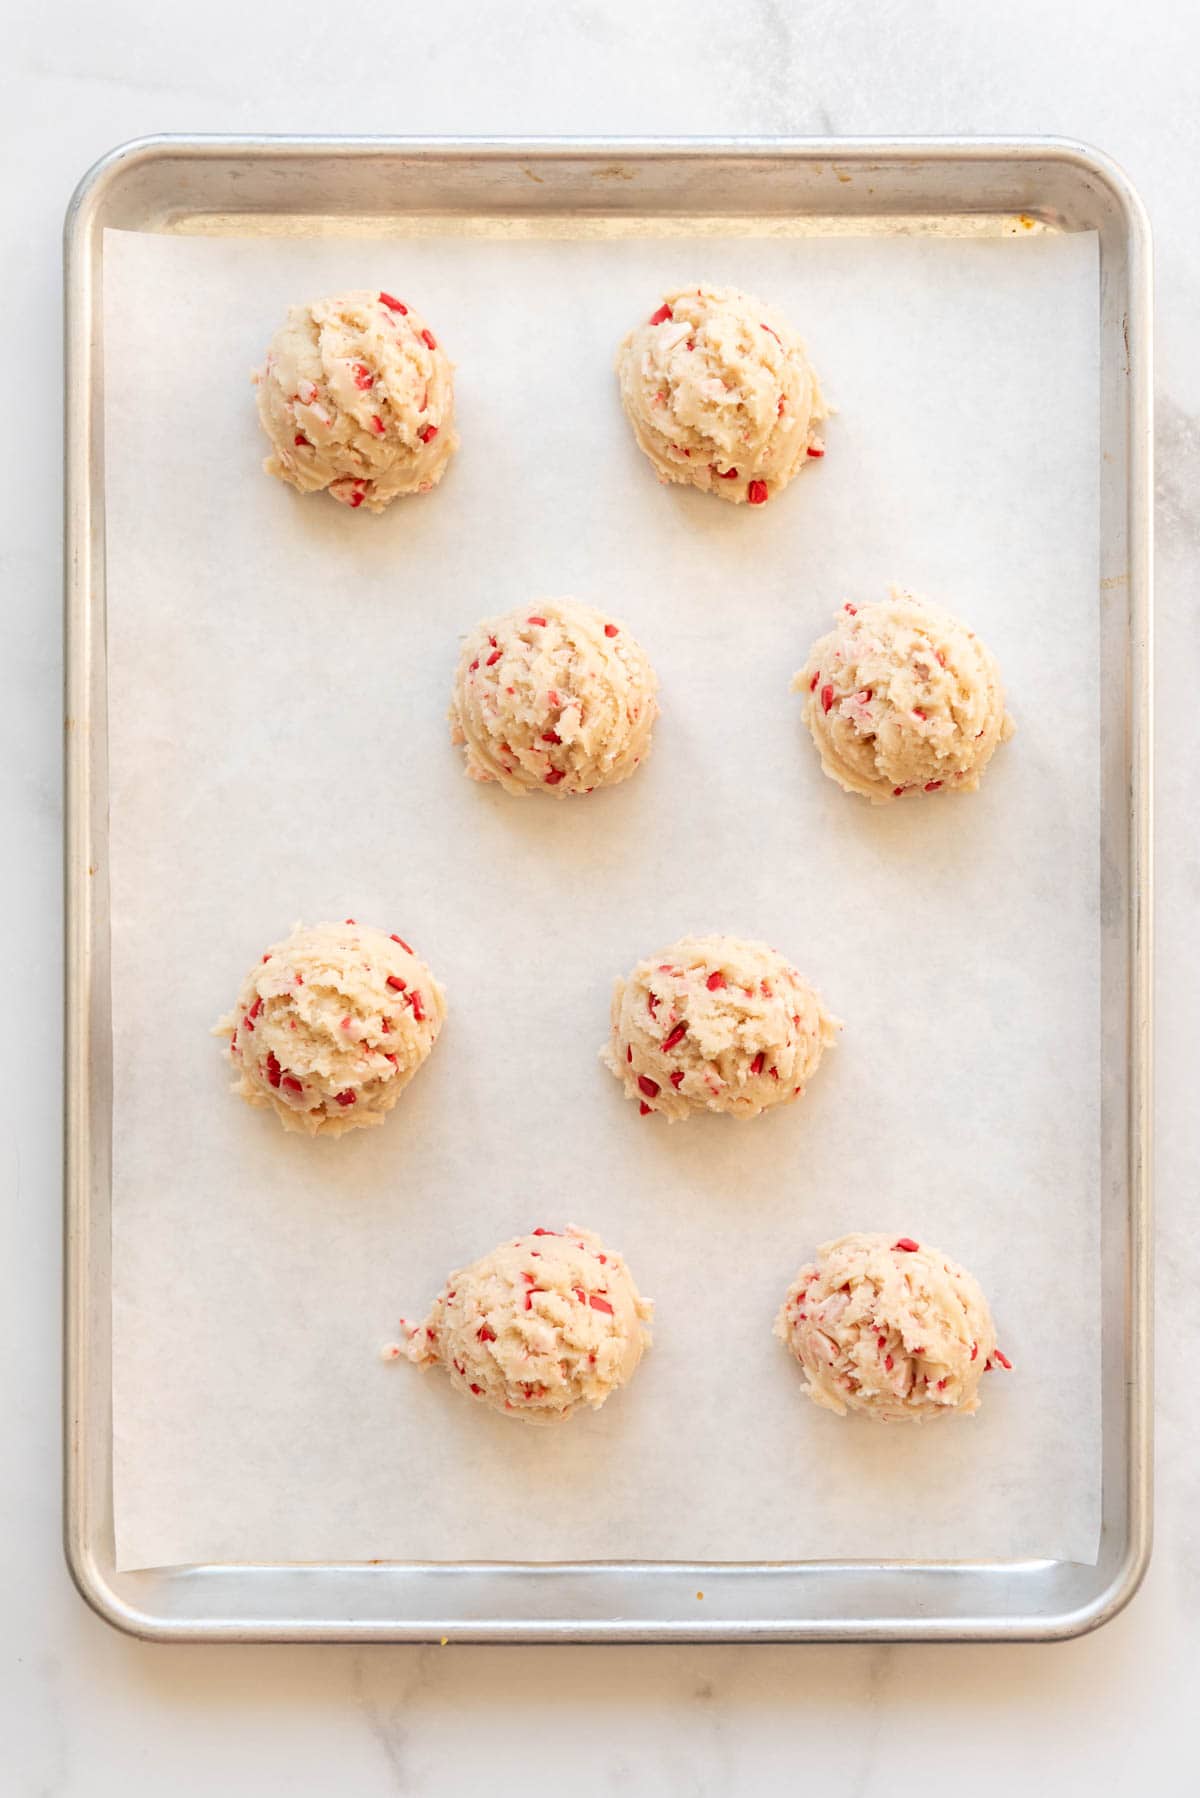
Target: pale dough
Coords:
[[901, 698], [332, 1025], [554, 697], [713, 1023], [545, 1323], [721, 395], [884, 1326], [357, 397]]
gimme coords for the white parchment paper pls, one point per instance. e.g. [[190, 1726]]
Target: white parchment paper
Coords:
[[279, 672]]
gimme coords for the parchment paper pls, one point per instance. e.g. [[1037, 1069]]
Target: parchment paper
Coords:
[[279, 672]]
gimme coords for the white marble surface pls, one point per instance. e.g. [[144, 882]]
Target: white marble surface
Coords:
[[85, 1711]]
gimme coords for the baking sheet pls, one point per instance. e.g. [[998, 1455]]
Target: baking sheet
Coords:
[[278, 678]]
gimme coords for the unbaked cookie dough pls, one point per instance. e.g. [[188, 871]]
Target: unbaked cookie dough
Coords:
[[332, 1025], [884, 1326], [542, 1325], [357, 398], [901, 698], [554, 697], [713, 1023], [721, 395]]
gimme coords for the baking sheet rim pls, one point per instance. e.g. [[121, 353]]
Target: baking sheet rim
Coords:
[[84, 1415]]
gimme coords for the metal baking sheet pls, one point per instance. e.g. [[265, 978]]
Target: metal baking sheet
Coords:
[[676, 189]]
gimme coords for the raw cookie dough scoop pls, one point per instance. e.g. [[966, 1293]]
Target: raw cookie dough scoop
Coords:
[[554, 697], [714, 1023], [544, 1324], [888, 1328], [357, 397], [901, 698], [331, 1026], [721, 394]]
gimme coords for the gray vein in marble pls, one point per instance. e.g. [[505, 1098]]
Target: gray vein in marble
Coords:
[[383, 1722], [1177, 478]]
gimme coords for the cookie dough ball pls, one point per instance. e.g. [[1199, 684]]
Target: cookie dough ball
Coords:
[[721, 395], [716, 1024], [553, 698], [883, 1326], [901, 698], [358, 400], [332, 1025], [542, 1325]]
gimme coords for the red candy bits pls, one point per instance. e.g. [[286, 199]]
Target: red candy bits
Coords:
[[756, 493], [648, 1086], [662, 315], [385, 299], [907, 1244]]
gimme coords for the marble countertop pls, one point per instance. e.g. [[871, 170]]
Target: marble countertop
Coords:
[[87, 1711]]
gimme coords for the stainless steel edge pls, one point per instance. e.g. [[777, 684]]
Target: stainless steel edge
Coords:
[[1140, 727], [81, 569], [595, 1602]]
